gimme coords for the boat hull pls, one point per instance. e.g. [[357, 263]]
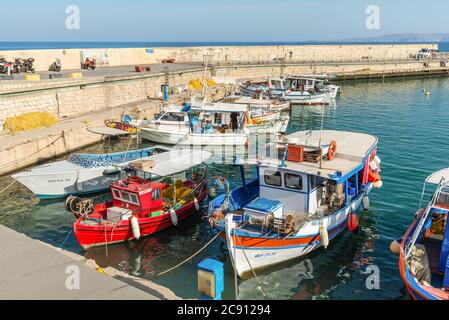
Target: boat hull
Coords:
[[90, 236], [252, 253], [163, 137]]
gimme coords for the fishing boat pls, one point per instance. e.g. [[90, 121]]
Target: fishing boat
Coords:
[[305, 195], [203, 123], [141, 207], [424, 249], [294, 90], [80, 173], [316, 82]]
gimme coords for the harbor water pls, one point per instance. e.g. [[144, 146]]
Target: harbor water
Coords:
[[412, 130]]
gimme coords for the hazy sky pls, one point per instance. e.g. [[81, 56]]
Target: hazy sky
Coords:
[[225, 20]]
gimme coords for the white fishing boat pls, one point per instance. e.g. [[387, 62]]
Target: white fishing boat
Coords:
[[319, 83], [300, 201], [202, 123], [80, 173]]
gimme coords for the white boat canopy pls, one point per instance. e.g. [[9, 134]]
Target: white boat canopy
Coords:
[[176, 161], [352, 148], [436, 178]]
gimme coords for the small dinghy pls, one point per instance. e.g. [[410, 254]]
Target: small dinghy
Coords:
[[424, 249], [141, 207], [306, 194], [80, 173]]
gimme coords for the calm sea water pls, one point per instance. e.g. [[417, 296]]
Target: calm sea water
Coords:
[[412, 130]]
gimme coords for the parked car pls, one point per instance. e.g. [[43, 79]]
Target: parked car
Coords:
[[427, 53]]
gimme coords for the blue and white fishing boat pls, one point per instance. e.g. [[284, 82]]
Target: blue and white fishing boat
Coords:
[[304, 196], [80, 173], [424, 249]]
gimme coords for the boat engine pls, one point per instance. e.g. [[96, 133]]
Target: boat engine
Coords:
[[79, 207]]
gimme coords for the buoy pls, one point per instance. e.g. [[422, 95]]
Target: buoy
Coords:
[[173, 217], [135, 227], [353, 222], [365, 203], [324, 236], [395, 247], [428, 93], [378, 184], [197, 204]]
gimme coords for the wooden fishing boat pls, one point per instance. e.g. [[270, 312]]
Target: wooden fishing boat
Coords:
[[141, 207], [305, 195], [80, 173], [424, 249]]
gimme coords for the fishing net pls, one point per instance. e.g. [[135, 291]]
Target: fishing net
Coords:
[[29, 121], [197, 84]]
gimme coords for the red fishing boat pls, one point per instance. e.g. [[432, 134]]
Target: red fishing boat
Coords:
[[141, 207]]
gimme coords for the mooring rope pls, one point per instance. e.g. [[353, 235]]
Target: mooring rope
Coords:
[[9, 185], [66, 238], [252, 270], [191, 257]]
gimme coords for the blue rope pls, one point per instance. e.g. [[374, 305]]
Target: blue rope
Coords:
[[63, 243]]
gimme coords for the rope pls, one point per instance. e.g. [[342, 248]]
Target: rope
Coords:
[[191, 257], [252, 270], [9, 185], [66, 238]]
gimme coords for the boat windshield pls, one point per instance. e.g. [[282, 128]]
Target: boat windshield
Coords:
[[170, 116]]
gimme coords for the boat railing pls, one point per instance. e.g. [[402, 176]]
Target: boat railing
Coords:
[[441, 194]]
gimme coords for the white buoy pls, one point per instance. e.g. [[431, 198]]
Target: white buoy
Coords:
[[173, 217], [135, 227], [428, 93], [365, 203], [197, 204], [324, 236], [395, 247]]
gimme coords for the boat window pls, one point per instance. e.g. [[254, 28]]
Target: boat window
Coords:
[[126, 197], [116, 193], [173, 116], [293, 181], [315, 182], [273, 178], [156, 194]]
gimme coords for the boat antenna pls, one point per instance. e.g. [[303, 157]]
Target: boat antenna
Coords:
[[321, 134], [203, 94]]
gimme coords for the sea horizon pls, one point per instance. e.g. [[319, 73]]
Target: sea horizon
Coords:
[[36, 45]]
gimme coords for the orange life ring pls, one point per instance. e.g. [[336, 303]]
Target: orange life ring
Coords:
[[332, 150]]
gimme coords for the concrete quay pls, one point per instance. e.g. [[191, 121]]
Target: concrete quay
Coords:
[[33, 270]]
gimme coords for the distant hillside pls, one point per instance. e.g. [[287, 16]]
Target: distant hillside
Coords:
[[405, 37]]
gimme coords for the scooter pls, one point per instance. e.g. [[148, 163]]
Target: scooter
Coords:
[[89, 64], [5, 66], [18, 65], [55, 66]]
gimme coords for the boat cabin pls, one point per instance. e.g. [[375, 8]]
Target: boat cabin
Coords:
[[136, 196], [308, 180]]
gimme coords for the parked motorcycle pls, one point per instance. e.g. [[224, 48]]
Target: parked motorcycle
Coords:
[[89, 64], [28, 65], [5, 65], [18, 65], [55, 66]]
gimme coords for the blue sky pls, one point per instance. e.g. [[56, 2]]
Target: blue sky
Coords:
[[225, 20]]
